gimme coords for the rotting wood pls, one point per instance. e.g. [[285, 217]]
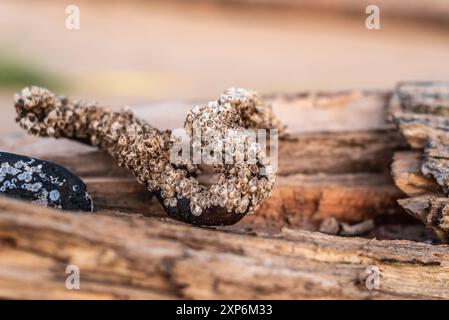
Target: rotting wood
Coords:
[[407, 174], [136, 257], [431, 210], [420, 111]]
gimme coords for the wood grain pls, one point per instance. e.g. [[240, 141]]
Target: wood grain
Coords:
[[134, 257]]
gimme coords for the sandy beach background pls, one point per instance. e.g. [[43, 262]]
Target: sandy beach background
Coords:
[[135, 52]]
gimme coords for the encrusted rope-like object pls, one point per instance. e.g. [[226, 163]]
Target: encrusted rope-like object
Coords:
[[240, 186]]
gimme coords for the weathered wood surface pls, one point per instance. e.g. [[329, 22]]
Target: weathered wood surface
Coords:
[[336, 164], [420, 112], [129, 256]]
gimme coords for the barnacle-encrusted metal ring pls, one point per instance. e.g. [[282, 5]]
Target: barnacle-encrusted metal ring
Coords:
[[240, 186]]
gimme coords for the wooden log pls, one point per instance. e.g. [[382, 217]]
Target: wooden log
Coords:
[[407, 174], [127, 256], [336, 163]]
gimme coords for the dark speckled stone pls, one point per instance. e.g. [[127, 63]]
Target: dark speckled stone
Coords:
[[43, 183]]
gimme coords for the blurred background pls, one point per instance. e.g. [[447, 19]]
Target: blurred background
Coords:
[[134, 52]]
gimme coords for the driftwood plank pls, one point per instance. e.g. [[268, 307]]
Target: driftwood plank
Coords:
[[135, 257], [335, 164]]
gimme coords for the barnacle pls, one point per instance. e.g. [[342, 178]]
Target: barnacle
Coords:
[[243, 181]]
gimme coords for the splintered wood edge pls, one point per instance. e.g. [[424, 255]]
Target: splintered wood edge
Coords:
[[407, 175], [421, 116], [432, 211]]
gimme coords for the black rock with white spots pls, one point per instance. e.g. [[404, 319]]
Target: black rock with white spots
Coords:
[[43, 183]]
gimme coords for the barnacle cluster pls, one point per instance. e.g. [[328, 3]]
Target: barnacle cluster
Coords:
[[241, 184]]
